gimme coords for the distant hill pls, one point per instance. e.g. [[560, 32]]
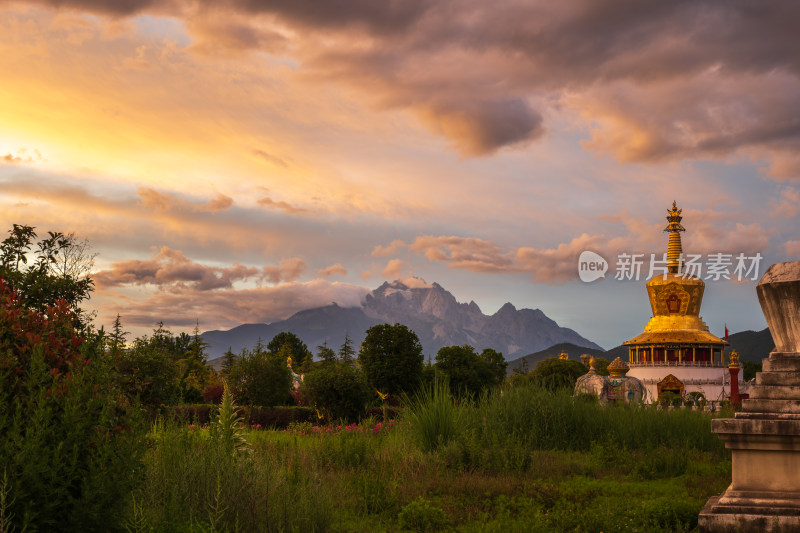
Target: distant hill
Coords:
[[428, 309], [751, 345]]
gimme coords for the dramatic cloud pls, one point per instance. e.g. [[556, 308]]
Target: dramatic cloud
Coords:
[[698, 79], [225, 308], [171, 269]]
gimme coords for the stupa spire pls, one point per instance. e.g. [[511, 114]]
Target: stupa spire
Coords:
[[674, 249]]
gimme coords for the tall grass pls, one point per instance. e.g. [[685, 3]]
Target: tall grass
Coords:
[[195, 483], [435, 416], [501, 430]]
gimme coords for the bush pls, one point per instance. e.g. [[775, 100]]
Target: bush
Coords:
[[421, 516], [70, 451], [557, 374], [337, 389]]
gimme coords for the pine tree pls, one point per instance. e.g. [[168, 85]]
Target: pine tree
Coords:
[[325, 353], [347, 353], [117, 337]]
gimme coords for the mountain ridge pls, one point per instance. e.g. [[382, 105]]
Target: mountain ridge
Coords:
[[429, 310]]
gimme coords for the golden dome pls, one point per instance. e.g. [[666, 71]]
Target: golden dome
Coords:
[[618, 368]]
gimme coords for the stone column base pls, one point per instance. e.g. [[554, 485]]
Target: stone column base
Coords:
[[756, 512]]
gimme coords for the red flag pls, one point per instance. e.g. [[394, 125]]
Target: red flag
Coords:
[[726, 331]]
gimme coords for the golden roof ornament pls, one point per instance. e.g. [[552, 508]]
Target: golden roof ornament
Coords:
[[563, 355], [674, 248], [618, 368], [734, 357]]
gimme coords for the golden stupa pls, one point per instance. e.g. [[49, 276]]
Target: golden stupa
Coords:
[[676, 334]]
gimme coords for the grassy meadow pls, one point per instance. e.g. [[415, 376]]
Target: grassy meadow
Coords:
[[524, 459]]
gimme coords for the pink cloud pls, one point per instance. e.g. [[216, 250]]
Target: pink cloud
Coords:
[[172, 270], [332, 270], [395, 268]]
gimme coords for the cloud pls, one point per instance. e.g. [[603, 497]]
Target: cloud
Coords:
[[792, 249], [165, 202], [652, 82], [172, 270], [333, 270], [266, 201], [225, 308], [395, 268], [383, 251], [788, 205], [288, 270], [22, 156], [270, 158]]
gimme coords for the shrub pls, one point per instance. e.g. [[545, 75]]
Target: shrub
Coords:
[[557, 374], [337, 389], [422, 516], [70, 452]]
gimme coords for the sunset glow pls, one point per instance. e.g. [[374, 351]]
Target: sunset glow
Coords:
[[238, 162]]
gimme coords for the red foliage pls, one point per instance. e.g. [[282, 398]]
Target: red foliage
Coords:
[[23, 330], [213, 393]]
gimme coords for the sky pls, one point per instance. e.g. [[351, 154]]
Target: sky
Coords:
[[238, 161]]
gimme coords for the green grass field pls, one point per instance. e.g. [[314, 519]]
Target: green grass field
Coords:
[[520, 460]]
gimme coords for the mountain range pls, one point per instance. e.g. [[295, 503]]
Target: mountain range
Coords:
[[429, 310]]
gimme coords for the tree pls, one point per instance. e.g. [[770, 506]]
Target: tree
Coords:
[[116, 341], [228, 360], [555, 374], [261, 378], [469, 373], [346, 351], [338, 389], [497, 365], [298, 349], [59, 269], [325, 353], [391, 358]]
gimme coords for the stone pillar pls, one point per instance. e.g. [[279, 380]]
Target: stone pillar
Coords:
[[734, 370], [764, 437]]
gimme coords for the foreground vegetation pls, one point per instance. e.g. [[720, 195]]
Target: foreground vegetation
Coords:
[[525, 460]]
